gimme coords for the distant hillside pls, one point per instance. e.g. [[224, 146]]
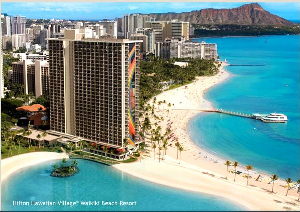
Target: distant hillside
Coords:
[[247, 14]]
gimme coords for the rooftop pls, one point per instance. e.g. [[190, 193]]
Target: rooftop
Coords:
[[31, 108]]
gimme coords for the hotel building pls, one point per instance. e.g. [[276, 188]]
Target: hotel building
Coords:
[[169, 29], [94, 88], [176, 48], [133, 21], [33, 75], [18, 25]]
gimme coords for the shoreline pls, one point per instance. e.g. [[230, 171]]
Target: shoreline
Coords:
[[241, 36], [187, 104], [191, 171], [11, 165]]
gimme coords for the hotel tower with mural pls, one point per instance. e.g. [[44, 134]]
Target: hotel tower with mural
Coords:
[[94, 89]]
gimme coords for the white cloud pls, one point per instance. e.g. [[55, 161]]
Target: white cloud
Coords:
[[131, 7]]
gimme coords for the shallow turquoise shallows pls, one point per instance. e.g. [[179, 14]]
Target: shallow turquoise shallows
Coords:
[[97, 183], [274, 87]]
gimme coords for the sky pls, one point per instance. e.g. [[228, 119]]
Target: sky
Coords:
[[111, 10]]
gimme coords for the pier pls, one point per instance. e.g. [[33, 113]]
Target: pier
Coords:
[[251, 116], [245, 115], [257, 116], [246, 65], [236, 114]]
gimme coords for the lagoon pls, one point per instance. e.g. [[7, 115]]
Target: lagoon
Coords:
[[101, 188]]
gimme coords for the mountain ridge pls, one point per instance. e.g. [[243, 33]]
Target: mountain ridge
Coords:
[[247, 14]]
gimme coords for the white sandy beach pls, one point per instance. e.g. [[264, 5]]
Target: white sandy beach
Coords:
[[197, 170], [13, 164]]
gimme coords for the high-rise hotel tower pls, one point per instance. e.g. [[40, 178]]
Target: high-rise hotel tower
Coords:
[[94, 88]]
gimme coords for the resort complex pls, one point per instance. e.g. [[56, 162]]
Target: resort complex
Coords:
[[140, 113], [94, 89]]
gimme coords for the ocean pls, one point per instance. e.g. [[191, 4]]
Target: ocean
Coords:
[[272, 148], [96, 183]]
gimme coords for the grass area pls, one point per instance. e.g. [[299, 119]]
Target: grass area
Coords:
[[5, 151], [130, 160]]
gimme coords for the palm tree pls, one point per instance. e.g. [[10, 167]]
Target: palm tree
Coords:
[[28, 133], [154, 100], [227, 163], [80, 144], [248, 167], [153, 147], [125, 143], [180, 150], [141, 149], [44, 134], [6, 136], [159, 153], [168, 132], [159, 103], [22, 131], [74, 163], [112, 151], [177, 144], [13, 136], [38, 136], [165, 145], [146, 125], [55, 166], [71, 145], [64, 161], [288, 181], [88, 145], [235, 164], [274, 177], [83, 144], [105, 150], [10, 144]]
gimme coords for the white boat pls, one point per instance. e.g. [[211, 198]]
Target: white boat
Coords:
[[275, 117]]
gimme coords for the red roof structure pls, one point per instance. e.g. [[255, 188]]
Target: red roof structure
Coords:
[[31, 108]]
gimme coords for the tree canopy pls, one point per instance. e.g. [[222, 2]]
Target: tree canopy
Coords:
[[155, 70]]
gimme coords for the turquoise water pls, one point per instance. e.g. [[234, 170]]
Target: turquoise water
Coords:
[[268, 147], [96, 182]]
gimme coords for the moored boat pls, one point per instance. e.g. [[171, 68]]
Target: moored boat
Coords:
[[274, 118]]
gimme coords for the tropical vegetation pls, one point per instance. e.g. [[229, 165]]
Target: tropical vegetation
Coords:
[[65, 169], [248, 167], [227, 163], [274, 177], [235, 164], [155, 70], [243, 30], [288, 181]]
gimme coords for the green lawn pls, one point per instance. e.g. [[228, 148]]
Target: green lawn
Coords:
[[130, 160]]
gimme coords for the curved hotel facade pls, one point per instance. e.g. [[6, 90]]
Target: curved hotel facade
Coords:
[[94, 91]]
